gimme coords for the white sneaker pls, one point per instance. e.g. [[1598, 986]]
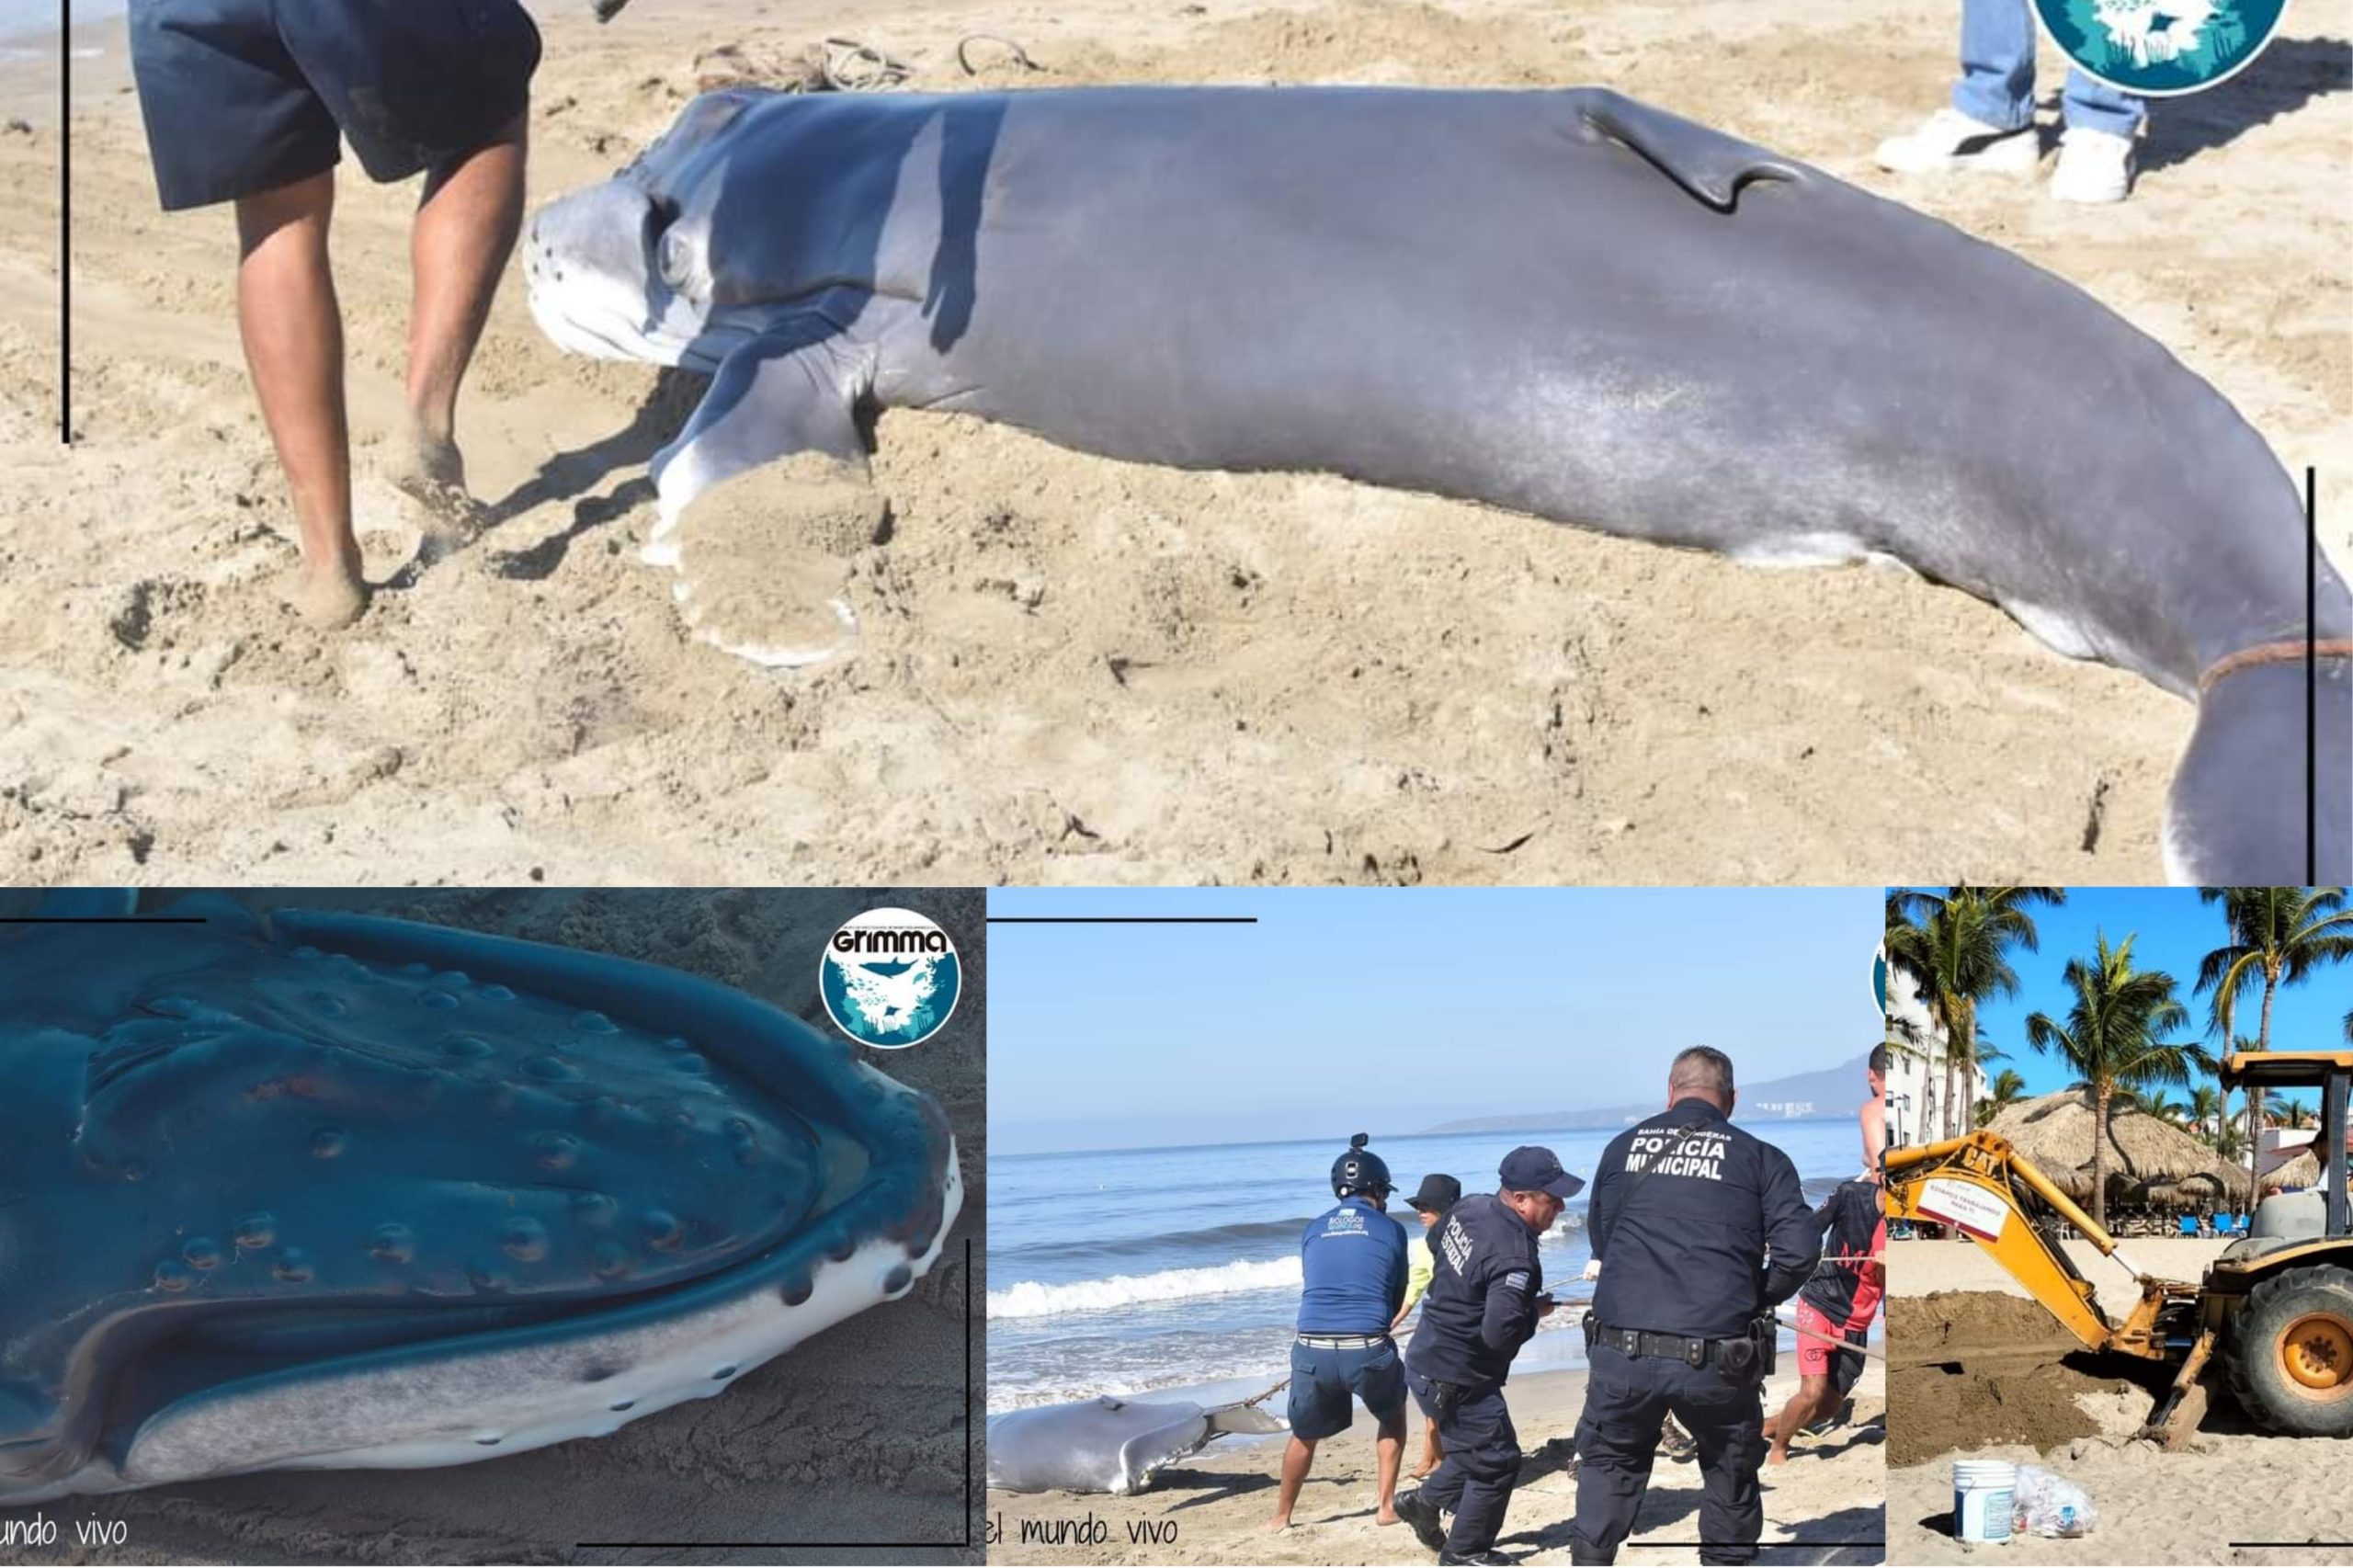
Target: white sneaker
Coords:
[[2094, 165], [1952, 140]]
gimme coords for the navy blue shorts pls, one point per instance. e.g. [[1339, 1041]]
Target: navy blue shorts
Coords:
[[241, 96], [1321, 1381]]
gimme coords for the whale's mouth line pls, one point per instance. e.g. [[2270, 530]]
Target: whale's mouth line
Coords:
[[2292, 650]]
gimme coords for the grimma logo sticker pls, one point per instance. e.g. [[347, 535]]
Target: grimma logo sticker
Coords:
[[890, 978], [2156, 49]]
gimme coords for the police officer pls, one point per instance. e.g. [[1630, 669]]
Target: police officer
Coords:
[[1353, 1260], [1486, 1292], [1703, 1231]]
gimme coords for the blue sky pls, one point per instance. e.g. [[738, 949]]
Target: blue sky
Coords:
[[2175, 931], [1398, 1008]]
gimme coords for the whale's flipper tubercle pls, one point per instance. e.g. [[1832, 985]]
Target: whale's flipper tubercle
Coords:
[[1710, 165]]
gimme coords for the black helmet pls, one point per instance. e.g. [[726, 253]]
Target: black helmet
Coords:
[[1360, 1170]]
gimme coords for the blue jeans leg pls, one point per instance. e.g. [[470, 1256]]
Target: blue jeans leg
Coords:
[[2096, 106], [1997, 81]]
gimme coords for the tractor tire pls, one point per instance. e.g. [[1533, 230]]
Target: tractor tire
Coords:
[[2290, 1360]]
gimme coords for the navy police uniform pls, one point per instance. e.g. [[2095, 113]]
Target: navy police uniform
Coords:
[[1485, 1296], [1353, 1262], [241, 96], [1701, 1230]]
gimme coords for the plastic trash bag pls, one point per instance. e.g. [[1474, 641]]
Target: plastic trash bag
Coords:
[[2047, 1503]]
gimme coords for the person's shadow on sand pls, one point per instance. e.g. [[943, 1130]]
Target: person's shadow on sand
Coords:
[[1219, 1488], [2286, 76], [569, 476]]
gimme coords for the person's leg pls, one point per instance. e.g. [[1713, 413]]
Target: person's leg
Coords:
[[1420, 1507], [1433, 1452], [2087, 104], [1484, 1442], [292, 331], [1309, 1409], [465, 230], [1996, 83], [1298, 1456], [1388, 1454], [1728, 1420], [1810, 1400], [1378, 1376], [1617, 1440]]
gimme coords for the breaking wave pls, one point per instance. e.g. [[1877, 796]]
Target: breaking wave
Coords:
[[1031, 1300]]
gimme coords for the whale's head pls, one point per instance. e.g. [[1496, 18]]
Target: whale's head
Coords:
[[622, 270]]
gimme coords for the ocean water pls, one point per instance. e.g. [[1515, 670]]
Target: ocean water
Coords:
[[1147, 1269], [28, 27]]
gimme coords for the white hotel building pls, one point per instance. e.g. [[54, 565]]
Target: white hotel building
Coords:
[[1915, 1077]]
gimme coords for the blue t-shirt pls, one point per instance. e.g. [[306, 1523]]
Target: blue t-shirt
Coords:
[[1353, 1260]]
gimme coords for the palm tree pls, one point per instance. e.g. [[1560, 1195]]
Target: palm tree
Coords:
[[2007, 1089], [2230, 1140], [2206, 1111], [2114, 1036], [2279, 937], [2154, 1103], [1955, 948], [2295, 1115]]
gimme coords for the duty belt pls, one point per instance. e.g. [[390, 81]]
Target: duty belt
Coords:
[[1664, 1346], [1343, 1341]]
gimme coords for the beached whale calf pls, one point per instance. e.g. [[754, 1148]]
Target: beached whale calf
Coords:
[[327, 1190], [1109, 1445], [1563, 303]]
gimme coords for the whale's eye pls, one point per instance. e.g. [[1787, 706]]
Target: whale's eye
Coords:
[[677, 259]]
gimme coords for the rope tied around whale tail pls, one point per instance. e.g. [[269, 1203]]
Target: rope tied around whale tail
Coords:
[[1263, 1398], [2285, 652]]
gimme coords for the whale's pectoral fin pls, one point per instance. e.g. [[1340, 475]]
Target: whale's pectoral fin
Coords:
[[1710, 165], [792, 390], [764, 496], [1145, 1454]]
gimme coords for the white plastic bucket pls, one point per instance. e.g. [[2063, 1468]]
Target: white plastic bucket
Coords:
[[1981, 1491]]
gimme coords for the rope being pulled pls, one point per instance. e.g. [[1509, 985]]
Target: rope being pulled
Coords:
[[2292, 652]]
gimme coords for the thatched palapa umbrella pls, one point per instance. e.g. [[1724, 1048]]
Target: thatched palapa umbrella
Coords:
[[2148, 1161]]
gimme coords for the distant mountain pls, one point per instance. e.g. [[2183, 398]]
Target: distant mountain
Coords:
[[1834, 1091]]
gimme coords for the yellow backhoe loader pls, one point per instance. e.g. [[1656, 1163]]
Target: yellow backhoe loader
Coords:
[[2274, 1314]]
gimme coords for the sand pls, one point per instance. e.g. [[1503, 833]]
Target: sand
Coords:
[[1825, 1497], [1978, 1371], [1075, 670], [858, 1434]]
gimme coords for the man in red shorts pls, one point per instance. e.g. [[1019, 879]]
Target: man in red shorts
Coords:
[[1836, 1304]]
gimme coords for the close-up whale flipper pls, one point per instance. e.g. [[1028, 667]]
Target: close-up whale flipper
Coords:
[[317, 1190]]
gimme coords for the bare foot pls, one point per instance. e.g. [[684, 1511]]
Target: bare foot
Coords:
[[432, 472], [329, 598], [1778, 1456], [1387, 1515], [1424, 1474], [1277, 1525]]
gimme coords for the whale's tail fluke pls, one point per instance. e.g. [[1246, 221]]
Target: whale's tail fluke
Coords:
[[2252, 803]]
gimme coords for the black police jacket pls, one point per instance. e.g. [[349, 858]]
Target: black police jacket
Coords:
[[1700, 1227], [1481, 1306]]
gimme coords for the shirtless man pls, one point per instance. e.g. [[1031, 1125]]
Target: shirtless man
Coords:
[[1874, 1110], [249, 101]]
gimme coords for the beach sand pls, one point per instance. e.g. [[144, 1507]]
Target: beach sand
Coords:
[[859, 1435], [1977, 1370], [1076, 670], [1823, 1507]]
